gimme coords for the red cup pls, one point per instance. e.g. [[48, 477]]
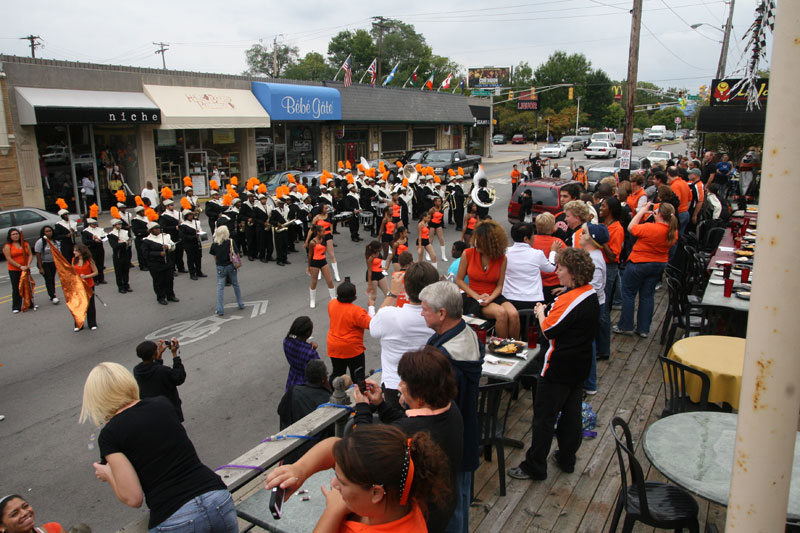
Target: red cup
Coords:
[[728, 288], [737, 242], [726, 271], [745, 275], [481, 334], [533, 335]]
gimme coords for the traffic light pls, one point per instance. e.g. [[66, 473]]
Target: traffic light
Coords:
[[570, 93], [510, 95], [533, 92]]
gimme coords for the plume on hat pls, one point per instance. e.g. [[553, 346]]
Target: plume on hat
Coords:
[[262, 189], [419, 168], [279, 192], [186, 204], [151, 214], [385, 175], [61, 203], [291, 179], [399, 164], [405, 182], [360, 167], [460, 171], [341, 164], [381, 167], [213, 185], [166, 192], [94, 211], [138, 200], [187, 181], [249, 185], [437, 179], [120, 194], [235, 181], [302, 189], [348, 165], [350, 179], [227, 199], [451, 172], [115, 212]]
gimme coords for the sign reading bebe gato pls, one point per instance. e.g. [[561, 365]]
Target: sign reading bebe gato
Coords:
[[314, 107]]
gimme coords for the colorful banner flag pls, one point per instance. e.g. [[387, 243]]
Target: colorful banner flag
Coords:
[[429, 83], [348, 72], [390, 77], [76, 292], [373, 72], [446, 83]]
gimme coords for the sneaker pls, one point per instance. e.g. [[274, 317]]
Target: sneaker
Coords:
[[93, 328], [616, 329], [35, 307], [2, 417], [76, 329], [589, 392], [15, 311], [642, 335], [55, 300], [519, 473]]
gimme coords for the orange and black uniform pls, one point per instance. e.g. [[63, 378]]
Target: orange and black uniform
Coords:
[[549, 280], [397, 211], [515, 175], [684, 194], [437, 219], [376, 267], [388, 231], [20, 255], [86, 269], [326, 228], [399, 250], [570, 329], [424, 236], [318, 259], [481, 281], [471, 222], [346, 338]]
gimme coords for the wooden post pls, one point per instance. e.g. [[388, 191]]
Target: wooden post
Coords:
[[770, 395], [633, 72]]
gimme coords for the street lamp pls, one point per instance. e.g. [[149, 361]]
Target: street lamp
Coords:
[[726, 35], [695, 26]]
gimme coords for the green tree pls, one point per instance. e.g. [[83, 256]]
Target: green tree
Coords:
[[667, 116], [641, 120], [615, 116], [356, 44], [312, 67], [597, 96], [259, 59], [562, 68], [522, 75]]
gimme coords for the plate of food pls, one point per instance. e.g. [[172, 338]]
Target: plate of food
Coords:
[[505, 346], [746, 260], [752, 209], [751, 231], [715, 281], [744, 295], [744, 253], [723, 263]]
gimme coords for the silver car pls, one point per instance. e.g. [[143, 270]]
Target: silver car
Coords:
[[572, 142], [31, 220]]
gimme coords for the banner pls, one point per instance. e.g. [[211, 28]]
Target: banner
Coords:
[[722, 92], [482, 77]]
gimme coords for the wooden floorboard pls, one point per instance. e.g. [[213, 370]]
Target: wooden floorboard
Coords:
[[630, 385]]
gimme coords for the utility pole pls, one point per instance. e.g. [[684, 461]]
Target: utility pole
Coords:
[[275, 57], [34, 43], [723, 56], [633, 72], [163, 47], [380, 25], [578, 114]]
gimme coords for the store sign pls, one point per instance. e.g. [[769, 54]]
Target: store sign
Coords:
[[527, 105], [96, 115], [223, 136], [340, 132], [285, 101], [722, 92]]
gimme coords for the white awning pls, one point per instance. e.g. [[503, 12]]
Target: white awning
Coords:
[[36, 105], [206, 107]]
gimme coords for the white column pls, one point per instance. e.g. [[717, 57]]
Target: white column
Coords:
[[770, 396]]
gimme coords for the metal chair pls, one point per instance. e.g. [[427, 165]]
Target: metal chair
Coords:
[[676, 399], [682, 314], [491, 430], [653, 503]]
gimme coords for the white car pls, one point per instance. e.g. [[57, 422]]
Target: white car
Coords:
[[553, 150], [659, 156], [600, 149]]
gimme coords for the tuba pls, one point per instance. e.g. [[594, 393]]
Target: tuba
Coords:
[[410, 173], [488, 192]]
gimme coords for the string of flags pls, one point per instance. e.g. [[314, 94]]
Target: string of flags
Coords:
[[413, 79]]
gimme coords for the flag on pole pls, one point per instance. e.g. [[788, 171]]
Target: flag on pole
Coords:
[[348, 72], [390, 77], [428, 83], [76, 292], [412, 78], [446, 83], [373, 71]]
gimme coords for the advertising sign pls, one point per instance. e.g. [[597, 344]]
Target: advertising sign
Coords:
[[527, 105], [722, 92], [625, 159], [483, 77], [289, 102]]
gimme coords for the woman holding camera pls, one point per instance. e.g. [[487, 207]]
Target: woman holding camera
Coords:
[[145, 453]]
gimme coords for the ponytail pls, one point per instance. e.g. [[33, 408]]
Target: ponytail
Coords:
[[667, 212]]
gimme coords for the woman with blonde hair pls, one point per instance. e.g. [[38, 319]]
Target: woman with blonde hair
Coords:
[[485, 266], [145, 453], [223, 249]]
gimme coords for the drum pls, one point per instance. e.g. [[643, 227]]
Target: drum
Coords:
[[379, 207], [344, 216], [366, 218]]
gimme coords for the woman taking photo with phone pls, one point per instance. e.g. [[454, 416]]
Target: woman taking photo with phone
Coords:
[[145, 454]]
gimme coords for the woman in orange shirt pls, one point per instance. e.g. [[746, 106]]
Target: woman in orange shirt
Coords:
[[424, 238], [323, 219], [399, 245], [346, 333], [18, 258], [437, 224], [384, 480], [646, 263], [469, 224], [375, 275], [485, 265], [318, 263], [386, 232], [85, 267]]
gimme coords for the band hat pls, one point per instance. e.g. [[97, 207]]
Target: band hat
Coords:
[[598, 233], [151, 225], [187, 189], [120, 205], [251, 193], [115, 221], [91, 221], [214, 192], [262, 196], [236, 201], [62, 212], [186, 212], [168, 202], [139, 208]]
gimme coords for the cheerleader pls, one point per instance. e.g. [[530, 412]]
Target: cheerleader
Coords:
[[317, 264], [375, 276], [387, 235], [399, 245], [323, 219], [437, 223], [120, 241], [396, 209], [469, 225], [423, 238]]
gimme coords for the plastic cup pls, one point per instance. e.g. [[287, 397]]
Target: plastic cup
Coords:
[[728, 288], [745, 275], [726, 270], [737, 242], [533, 335]]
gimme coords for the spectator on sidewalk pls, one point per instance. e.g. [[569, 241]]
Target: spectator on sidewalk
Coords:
[[155, 379]]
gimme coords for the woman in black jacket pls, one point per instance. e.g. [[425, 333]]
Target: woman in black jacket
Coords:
[[223, 248]]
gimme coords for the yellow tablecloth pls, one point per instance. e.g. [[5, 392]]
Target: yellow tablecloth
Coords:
[[722, 358]]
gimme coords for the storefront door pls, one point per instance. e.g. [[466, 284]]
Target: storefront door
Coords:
[[197, 167]]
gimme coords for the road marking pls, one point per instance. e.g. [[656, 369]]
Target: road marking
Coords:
[[189, 331]]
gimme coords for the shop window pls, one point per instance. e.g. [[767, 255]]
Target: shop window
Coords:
[[117, 162], [265, 150], [424, 138], [394, 142], [300, 148], [54, 163]]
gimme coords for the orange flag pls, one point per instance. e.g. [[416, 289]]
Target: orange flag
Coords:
[[76, 292], [26, 286]]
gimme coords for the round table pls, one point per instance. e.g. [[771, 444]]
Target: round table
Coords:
[[721, 358]]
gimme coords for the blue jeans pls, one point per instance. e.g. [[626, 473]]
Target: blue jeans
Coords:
[[641, 279], [225, 273], [602, 338], [591, 381], [212, 512], [459, 523]]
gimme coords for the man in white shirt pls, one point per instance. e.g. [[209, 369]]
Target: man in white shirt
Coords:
[[401, 329], [151, 194], [524, 264]]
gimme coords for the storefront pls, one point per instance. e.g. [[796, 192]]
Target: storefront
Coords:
[[478, 135], [85, 134], [205, 133], [294, 142]]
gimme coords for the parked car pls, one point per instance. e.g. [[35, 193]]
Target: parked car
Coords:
[[572, 142], [600, 149], [55, 154], [275, 178], [31, 220], [659, 156], [444, 160], [416, 156], [618, 138], [518, 138], [657, 132], [499, 139], [545, 195], [388, 163], [598, 172], [669, 135], [682, 133], [637, 139], [608, 136], [553, 150]]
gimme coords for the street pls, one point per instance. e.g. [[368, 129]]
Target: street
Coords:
[[235, 364]]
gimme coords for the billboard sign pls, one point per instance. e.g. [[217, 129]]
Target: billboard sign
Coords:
[[482, 77], [722, 92], [527, 105]]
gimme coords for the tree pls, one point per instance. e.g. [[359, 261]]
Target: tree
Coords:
[[597, 96], [356, 44], [735, 145], [641, 120], [259, 59], [562, 68], [522, 76], [312, 67], [615, 116], [667, 116]]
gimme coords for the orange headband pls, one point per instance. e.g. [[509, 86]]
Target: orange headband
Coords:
[[408, 475]]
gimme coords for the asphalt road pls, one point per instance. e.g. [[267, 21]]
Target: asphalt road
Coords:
[[235, 364]]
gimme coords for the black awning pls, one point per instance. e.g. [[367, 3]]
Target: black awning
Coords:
[[481, 114], [731, 120]]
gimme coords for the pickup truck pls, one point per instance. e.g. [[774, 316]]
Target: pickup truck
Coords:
[[444, 160]]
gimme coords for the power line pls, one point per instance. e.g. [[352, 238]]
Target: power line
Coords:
[[34, 43], [679, 58], [684, 20], [163, 48]]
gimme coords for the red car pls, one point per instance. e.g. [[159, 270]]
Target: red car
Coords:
[[518, 139], [545, 196]]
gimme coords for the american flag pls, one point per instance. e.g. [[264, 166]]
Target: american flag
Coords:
[[348, 72], [373, 72]]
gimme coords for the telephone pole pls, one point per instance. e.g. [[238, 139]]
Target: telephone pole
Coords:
[[633, 72], [723, 56], [380, 25], [163, 47], [34, 40]]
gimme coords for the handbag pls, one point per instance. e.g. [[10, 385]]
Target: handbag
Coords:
[[236, 259]]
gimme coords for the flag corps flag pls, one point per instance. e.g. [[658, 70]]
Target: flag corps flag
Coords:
[[390, 77], [429, 83], [446, 82], [373, 72], [76, 292]]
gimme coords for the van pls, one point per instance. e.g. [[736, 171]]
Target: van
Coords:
[[657, 133], [609, 136]]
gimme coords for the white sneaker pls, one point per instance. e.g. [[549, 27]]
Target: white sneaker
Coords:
[[76, 329], [2, 417], [93, 328], [15, 311], [55, 300]]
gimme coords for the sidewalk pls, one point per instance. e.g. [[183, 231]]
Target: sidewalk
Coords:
[[510, 153]]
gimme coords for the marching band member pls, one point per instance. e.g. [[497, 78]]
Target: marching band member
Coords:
[[278, 221], [423, 239], [92, 237], [264, 243], [124, 216], [386, 232], [65, 231], [375, 277], [460, 196], [351, 203], [214, 207], [317, 262], [322, 219], [139, 230], [247, 215], [120, 241], [159, 247], [236, 224], [189, 234], [188, 193], [169, 222], [396, 210], [437, 221], [367, 195]]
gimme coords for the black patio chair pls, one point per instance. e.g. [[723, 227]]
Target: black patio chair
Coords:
[[491, 429], [653, 503], [684, 315], [676, 399]]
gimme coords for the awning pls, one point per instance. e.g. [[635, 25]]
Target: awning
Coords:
[[730, 119], [64, 106], [207, 107], [284, 101], [481, 114]]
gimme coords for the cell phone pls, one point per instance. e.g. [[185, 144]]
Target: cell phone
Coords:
[[362, 386], [276, 502]]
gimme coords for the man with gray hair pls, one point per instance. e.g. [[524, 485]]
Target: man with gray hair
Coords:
[[442, 308]]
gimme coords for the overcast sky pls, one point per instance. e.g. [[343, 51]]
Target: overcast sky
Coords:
[[211, 36]]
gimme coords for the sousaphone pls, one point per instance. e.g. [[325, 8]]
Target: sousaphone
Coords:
[[410, 173], [482, 196]]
